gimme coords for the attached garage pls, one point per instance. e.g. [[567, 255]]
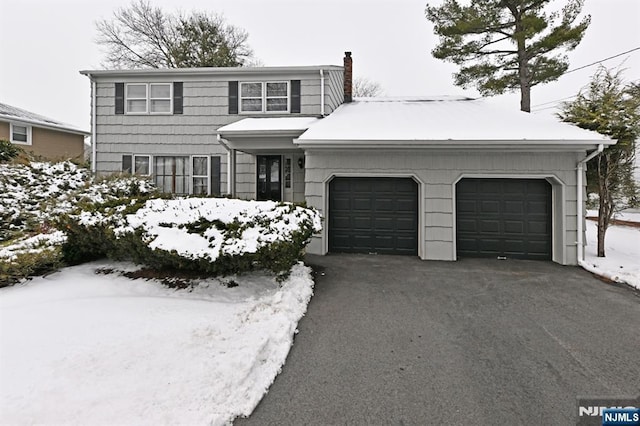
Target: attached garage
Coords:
[[373, 215], [485, 181], [509, 218]]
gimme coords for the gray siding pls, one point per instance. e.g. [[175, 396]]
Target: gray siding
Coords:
[[334, 90], [437, 173], [194, 132]]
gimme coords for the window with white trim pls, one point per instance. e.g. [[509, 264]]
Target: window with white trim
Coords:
[[141, 165], [160, 98], [148, 98], [200, 175], [271, 96], [20, 134]]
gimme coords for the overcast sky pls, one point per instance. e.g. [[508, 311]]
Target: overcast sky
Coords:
[[45, 43]]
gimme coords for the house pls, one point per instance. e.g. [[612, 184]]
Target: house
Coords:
[[441, 177], [44, 137]]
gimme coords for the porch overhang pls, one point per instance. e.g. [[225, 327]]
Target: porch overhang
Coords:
[[265, 135]]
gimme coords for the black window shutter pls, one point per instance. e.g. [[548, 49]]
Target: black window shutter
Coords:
[[177, 97], [295, 96], [215, 175], [119, 98], [233, 97], [127, 163]]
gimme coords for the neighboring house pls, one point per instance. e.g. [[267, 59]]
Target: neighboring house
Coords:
[[44, 137], [440, 178]]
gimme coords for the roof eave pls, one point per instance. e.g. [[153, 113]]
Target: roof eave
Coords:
[[508, 145], [209, 71], [36, 123]]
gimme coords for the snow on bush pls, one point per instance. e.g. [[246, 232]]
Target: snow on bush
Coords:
[[33, 197], [32, 245], [208, 228], [36, 194], [209, 235]]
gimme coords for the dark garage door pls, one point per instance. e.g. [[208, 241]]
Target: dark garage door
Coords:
[[503, 217], [373, 215]]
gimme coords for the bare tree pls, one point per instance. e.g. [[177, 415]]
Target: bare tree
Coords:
[[144, 36], [365, 88]]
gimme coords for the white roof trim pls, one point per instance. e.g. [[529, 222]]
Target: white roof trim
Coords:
[[36, 123], [273, 126]]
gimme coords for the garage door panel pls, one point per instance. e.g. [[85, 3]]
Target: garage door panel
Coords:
[[537, 228], [490, 207], [382, 215], [503, 217], [514, 227], [514, 207], [488, 227]]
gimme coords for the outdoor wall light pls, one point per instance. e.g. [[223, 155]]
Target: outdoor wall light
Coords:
[[301, 162]]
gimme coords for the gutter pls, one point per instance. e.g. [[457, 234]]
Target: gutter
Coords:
[[94, 142], [580, 210], [322, 92]]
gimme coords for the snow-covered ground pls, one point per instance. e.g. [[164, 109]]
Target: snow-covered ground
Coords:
[[622, 249], [95, 349]]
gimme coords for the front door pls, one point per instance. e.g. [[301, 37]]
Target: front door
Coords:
[[269, 182]]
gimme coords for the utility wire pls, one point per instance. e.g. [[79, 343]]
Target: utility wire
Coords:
[[602, 60], [577, 69]]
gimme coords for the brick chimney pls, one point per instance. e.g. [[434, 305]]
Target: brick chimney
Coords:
[[348, 77]]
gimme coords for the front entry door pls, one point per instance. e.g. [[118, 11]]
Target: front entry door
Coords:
[[269, 182]]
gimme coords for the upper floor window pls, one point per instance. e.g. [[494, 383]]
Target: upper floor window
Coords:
[[148, 98], [20, 134], [264, 96]]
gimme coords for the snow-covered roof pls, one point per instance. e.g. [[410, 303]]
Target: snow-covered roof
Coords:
[[440, 120], [11, 113], [274, 125]]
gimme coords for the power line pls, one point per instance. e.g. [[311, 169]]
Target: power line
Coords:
[[577, 69], [602, 60]]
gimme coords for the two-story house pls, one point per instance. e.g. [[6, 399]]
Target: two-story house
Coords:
[[436, 177]]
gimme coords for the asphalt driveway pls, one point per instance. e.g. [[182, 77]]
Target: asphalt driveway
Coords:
[[395, 340]]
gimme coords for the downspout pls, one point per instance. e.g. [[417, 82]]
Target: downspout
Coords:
[[322, 92], [580, 214], [225, 145], [94, 142]]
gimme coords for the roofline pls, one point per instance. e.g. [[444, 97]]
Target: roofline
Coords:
[[253, 133], [35, 123], [515, 144], [208, 71]]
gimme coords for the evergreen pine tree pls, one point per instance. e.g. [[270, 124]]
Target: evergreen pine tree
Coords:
[[506, 45]]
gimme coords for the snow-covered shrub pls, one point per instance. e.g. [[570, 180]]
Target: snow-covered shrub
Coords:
[[214, 236], [8, 151], [34, 195], [29, 256]]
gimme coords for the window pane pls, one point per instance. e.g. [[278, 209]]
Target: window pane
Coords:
[[136, 91], [200, 186], [277, 104], [137, 106], [251, 90], [161, 106], [200, 166], [19, 137], [160, 91], [142, 165], [276, 89], [252, 105]]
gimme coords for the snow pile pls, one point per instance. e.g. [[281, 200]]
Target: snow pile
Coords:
[[207, 228], [622, 249], [86, 348]]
